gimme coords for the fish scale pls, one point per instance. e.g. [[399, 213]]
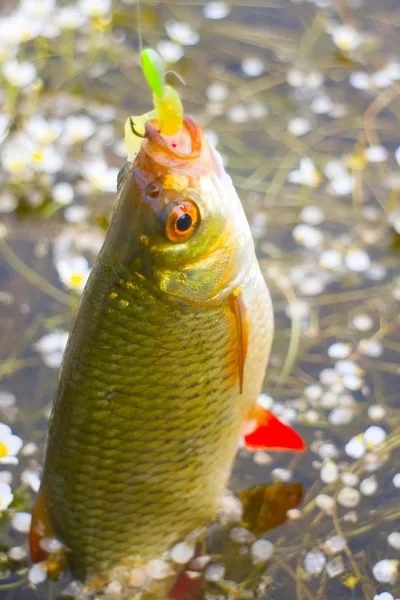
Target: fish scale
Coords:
[[159, 441]]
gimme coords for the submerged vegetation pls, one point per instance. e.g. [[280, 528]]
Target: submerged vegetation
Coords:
[[302, 101]]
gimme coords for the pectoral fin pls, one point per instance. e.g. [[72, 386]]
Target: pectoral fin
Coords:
[[239, 310], [262, 430]]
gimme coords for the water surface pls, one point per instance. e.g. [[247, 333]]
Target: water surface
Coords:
[[302, 100]]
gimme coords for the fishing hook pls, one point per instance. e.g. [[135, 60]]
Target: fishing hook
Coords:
[[134, 130]]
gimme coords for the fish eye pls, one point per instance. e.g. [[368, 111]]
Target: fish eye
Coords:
[[182, 221]]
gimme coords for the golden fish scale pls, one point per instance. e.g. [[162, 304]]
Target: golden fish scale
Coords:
[[147, 417]]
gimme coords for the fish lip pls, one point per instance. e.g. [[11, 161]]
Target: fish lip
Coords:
[[157, 143]]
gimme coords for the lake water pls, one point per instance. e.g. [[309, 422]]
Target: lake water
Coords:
[[302, 100]]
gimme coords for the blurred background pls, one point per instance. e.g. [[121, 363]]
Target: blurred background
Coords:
[[301, 98]]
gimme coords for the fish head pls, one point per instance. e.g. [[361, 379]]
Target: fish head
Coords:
[[190, 228]]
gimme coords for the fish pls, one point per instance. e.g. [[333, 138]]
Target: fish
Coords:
[[163, 367]]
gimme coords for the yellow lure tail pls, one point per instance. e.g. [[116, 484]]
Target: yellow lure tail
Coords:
[[168, 109]]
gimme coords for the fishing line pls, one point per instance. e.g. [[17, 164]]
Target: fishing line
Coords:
[[139, 26]]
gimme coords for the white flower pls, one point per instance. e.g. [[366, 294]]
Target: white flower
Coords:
[[10, 445], [371, 348], [46, 159], [299, 126], [252, 66], [78, 129], [374, 436], [75, 214], [95, 8], [182, 33], [238, 113], [309, 237], [170, 51], [376, 154], [343, 185], [339, 350], [17, 553], [31, 479], [21, 522], [159, 569], [325, 502], [335, 544], [394, 539], [329, 472], [16, 154], [19, 27], [51, 347], [42, 130], [38, 573], [181, 553], [330, 259], [214, 572], [383, 596], [73, 272], [385, 571], [19, 74], [346, 37], [363, 322], [63, 193], [314, 562], [6, 496], [357, 260], [360, 80], [322, 105], [313, 215], [33, 8], [376, 412], [299, 79], [100, 176], [369, 486], [216, 10], [348, 497], [7, 399], [306, 175], [262, 550], [356, 447], [69, 17], [381, 79]]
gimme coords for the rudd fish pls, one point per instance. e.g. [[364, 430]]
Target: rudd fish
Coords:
[[163, 366]]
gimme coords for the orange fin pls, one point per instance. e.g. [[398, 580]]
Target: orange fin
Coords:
[[266, 506], [242, 328], [264, 431], [41, 528]]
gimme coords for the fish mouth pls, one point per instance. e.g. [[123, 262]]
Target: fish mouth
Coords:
[[186, 152]]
